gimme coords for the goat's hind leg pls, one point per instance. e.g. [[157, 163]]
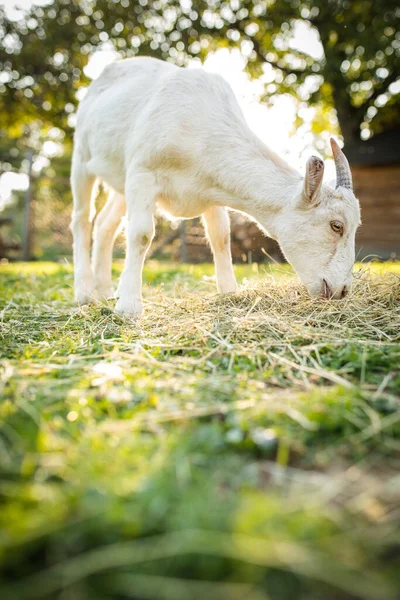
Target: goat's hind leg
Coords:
[[105, 230], [216, 221], [82, 184]]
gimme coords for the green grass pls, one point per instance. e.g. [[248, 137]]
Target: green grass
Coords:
[[233, 447]]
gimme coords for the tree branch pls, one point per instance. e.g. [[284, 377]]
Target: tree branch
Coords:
[[257, 47], [381, 89], [260, 54]]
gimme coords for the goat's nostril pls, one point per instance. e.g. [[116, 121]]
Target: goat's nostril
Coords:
[[326, 290], [345, 291]]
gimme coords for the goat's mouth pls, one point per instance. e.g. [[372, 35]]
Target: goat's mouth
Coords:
[[321, 287], [328, 292]]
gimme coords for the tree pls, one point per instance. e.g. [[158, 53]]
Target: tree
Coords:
[[43, 54], [360, 62]]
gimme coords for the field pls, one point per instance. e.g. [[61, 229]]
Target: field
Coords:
[[236, 447]]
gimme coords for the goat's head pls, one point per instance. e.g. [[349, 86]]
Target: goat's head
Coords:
[[317, 235]]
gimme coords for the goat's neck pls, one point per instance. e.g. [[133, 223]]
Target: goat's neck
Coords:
[[263, 186]]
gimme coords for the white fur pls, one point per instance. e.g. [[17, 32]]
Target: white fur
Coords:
[[176, 139]]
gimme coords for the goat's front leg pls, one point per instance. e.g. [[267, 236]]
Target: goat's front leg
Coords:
[[216, 222], [140, 194]]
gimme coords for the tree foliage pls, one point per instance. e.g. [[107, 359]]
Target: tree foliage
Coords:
[[43, 54]]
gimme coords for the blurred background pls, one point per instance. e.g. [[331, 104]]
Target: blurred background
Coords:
[[302, 71]]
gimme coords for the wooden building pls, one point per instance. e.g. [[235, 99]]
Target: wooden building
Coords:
[[375, 165]]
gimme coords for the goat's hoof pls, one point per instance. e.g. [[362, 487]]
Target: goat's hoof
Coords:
[[86, 296], [228, 288], [105, 292], [130, 309]]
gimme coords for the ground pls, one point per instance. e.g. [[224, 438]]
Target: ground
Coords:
[[244, 446]]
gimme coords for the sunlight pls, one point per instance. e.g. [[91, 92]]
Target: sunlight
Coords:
[[10, 182]]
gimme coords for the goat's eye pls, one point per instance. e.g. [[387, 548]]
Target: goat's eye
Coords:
[[337, 227]]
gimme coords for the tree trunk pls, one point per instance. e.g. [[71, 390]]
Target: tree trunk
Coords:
[[27, 221], [347, 115]]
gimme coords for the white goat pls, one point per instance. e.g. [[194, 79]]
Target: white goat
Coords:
[[173, 138]]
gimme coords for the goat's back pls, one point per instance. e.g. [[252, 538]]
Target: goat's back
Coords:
[[143, 110]]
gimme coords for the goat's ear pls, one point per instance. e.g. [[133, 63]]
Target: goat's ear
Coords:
[[313, 179]]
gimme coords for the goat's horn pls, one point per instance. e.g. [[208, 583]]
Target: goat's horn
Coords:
[[343, 173]]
